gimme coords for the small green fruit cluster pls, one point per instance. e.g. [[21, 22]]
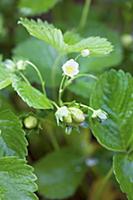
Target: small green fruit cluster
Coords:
[[69, 115], [76, 115]]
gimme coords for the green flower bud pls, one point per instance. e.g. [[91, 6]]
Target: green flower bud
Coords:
[[30, 122], [77, 114]]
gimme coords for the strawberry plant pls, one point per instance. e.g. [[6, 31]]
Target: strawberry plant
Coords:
[[65, 116]]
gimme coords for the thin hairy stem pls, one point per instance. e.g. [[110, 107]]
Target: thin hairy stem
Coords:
[[61, 90], [84, 14], [78, 76], [24, 78], [39, 75]]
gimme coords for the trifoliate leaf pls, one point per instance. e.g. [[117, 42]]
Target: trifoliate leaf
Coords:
[[53, 36], [5, 79], [113, 93], [33, 97], [46, 32], [16, 180], [60, 173], [123, 169], [12, 137]]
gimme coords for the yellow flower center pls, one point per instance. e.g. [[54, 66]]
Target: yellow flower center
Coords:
[[70, 69]]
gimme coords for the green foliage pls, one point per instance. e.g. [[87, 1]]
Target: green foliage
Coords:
[[12, 137], [83, 87], [43, 58], [71, 37], [68, 170], [5, 103], [96, 45], [36, 7], [113, 92], [5, 79], [98, 64], [16, 180], [46, 32], [53, 36], [102, 105], [123, 169], [33, 97]]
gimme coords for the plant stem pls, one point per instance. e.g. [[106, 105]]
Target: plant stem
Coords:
[[77, 57], [82, 105], [78, 76], [61, 89], [103, 184], [84, 14], [54, 104], [88, 107], [25, 79], [39, 75], [54, 141], [54, 67]]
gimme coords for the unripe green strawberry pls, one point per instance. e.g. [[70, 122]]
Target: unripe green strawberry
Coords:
[[77, 114], [68, 119], [30, 122]]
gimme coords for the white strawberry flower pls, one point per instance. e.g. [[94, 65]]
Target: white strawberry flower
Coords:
[[102, 115], [21, 65], [71, 68], [10, 65], [85, 52], [61, 113]]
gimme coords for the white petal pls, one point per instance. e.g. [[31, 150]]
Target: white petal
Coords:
[[100, 114], [85, 52], [71, 68]]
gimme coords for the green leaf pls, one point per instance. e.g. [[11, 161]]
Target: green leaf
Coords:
[[36, 7], [33, 97], [12, 137], [16, 180], [43, 59], [123, 169], [60, 173], [5, 103], [96, 46], [46, 32], [113, 93], [71, 37], [4, 78], [99, 63], [53, 36], [83, 87]]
